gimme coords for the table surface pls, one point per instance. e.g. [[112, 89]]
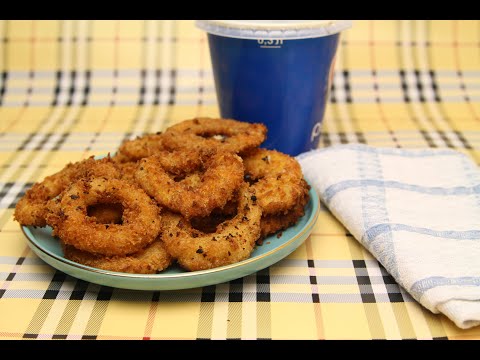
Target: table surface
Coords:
[[72, 89]]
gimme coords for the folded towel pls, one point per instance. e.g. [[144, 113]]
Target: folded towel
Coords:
[[417, 211]]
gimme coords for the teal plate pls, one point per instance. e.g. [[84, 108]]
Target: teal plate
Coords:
[[271, 251]]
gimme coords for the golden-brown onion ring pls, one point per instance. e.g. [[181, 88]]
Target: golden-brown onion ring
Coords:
[[233, 241], [209, 133], [140, 220], [270, 224], [223, 173], [140, 147], [31, 208], [279, 179], [127, 170], [150, 260]]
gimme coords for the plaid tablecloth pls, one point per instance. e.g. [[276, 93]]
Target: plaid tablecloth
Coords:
[[71, 89]]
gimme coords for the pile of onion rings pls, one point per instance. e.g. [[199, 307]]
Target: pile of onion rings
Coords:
[[201, 194]]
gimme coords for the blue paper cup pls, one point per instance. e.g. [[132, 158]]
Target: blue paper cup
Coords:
[[276, 72]]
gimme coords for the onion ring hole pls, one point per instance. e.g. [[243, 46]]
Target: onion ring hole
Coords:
[[106, 213], [208, 224]]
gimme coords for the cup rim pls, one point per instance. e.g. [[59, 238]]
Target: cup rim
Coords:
[[273, 29]]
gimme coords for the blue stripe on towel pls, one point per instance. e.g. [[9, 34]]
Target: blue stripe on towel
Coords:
[[374, 210], [379, 229], [420, 287], [473, 176], [334, 189], [412, 153]]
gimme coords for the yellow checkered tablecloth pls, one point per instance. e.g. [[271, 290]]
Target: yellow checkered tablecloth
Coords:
[[71, 89]]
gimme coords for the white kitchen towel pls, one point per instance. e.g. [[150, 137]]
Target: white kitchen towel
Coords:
[[417, 211]]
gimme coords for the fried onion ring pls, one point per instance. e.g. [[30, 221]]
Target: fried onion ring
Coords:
[[127, 170], [140, 220], [180, 163], [233, 240], [277, 177], [140, 147], [150, 260], [221, 174], [209, 133], [31, 208], [271, 224]]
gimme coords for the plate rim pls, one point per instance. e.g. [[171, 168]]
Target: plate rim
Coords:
[[314, 202]]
